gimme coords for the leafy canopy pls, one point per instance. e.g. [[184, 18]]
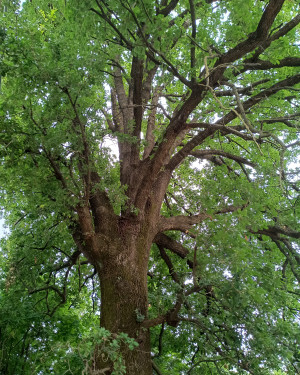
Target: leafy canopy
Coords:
[[234, 271]]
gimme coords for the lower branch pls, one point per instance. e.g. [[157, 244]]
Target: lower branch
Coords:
[[156, 368]]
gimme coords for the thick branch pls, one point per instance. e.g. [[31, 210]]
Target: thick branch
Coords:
[[167, 242], [169, 263], [253, 41], [281, 32], [185, 223], [147, 85], [168, 9], [181, 222], [185, 150], [150, 139], [178, 123], [137, 73]]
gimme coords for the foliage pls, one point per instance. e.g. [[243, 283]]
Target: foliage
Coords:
[[204, 95]]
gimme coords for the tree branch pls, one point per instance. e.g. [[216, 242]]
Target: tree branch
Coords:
[[178, 122], [212, 128], [248, 45], [167, 242], [193, 48], [265, 65], [185, 223], [280, 33], [243, 90], [181, 222], [169, 263], [202, 154], [150, 139], [275, 232], [156, 368], [168, 9]]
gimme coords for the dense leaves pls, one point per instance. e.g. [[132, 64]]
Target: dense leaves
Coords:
[[200, 99]]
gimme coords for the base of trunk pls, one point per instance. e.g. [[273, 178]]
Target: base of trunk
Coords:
[[124, 305], [122, 360]]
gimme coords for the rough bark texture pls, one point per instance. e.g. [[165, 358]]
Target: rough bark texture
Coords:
[[124, 301], [119, 248]]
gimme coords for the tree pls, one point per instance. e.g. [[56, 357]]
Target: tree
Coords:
[[192, 228]]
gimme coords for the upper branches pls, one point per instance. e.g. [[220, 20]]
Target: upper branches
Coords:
[[151, 41], [178, 122], [252, 42], [278, 34], [166, 10], [226, 119]]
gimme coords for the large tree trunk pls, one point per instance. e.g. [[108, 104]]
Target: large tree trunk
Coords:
[[119, 247], [124, 296]]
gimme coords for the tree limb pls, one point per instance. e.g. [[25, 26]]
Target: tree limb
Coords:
[[264, 64], [169, 263], [202, 154], [185, 223], [281, 32], [253, 40], [168, 8]]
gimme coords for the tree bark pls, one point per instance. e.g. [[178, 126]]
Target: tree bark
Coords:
[[122, 272]]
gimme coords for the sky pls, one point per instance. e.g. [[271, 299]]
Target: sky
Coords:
[[2, 229]]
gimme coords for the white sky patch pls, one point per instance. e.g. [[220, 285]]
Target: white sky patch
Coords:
[[3, 229], [112, 144]]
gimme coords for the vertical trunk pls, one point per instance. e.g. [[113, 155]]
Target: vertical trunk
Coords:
[[124, 300]]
